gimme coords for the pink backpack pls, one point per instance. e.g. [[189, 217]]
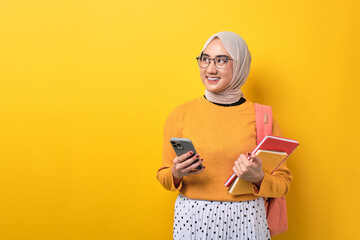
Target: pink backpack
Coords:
[[275, 207]]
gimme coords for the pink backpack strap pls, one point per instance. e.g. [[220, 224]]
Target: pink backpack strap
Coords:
[[264, 121], [275, 207]]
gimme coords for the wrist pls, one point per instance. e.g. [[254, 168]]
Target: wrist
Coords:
[[176, 180], [258, 183], [175, 176]]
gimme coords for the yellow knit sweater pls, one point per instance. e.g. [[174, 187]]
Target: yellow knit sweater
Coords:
[[219, 134]]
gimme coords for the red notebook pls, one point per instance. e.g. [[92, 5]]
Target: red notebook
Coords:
[[271, 143]]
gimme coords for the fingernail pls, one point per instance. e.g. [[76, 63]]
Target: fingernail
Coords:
[[190, 152], [197, 155], [249, 154]]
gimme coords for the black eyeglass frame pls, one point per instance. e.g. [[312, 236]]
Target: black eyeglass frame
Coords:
[[213, 59]]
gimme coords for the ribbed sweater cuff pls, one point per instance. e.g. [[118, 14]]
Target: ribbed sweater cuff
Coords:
[[264, 188], [169, 177]]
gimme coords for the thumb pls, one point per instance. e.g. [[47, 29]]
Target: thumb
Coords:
[[254, 158]]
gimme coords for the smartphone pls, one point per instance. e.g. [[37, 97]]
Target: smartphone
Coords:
[[183, 145]]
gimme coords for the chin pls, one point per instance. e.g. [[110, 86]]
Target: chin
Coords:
[[212, 90], [213, 87]]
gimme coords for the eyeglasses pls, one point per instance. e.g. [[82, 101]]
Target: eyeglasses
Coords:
[[220, 62]]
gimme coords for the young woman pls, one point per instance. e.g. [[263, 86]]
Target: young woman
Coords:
[[221, 124]]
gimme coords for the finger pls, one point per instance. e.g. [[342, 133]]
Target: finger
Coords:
[[249, 157], [237, 171], [192, 166], [189, 161], [244, 160], [196, 172], [255, 158], [185, 156], [197, 163], [240, 166]]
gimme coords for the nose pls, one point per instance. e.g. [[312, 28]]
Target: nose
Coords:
[[211, 69]]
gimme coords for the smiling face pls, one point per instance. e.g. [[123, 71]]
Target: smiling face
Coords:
[[214, 79]]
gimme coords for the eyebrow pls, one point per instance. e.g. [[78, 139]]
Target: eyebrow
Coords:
[[215, 56]]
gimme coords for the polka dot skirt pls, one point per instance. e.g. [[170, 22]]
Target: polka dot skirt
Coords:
[[199, 219]]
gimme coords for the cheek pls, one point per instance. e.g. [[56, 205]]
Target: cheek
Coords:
[[202, 74], [228, 75]]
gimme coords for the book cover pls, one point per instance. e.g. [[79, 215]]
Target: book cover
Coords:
[[271, 143], [270, 161]]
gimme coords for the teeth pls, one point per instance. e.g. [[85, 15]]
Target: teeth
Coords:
[[213, 79]]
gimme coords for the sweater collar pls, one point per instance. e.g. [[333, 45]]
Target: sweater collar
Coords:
[[239, 102]]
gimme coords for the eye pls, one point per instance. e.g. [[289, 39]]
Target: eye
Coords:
[[204, 59], [221, 60]]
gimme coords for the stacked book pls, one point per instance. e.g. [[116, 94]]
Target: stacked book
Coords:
[[272, 151]]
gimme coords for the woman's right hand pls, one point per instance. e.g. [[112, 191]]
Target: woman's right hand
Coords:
[[183, 167]]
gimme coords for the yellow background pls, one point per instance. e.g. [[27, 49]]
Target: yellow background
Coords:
[[86, 86]]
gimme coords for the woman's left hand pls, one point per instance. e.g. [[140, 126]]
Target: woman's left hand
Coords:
[[249, 170]]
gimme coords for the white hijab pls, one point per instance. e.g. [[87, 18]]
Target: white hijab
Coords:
[[238, 50]]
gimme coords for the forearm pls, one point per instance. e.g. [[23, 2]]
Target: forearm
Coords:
[[166, 179], [176, 181], [258, 184], [275, 185]]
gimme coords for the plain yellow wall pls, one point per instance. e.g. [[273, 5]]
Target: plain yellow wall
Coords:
[[86, 86]]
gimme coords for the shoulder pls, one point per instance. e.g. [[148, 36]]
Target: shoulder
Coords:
[[260, 104], [269, 110], [191, 103], [263, 108], [186, 106], [180, 111]]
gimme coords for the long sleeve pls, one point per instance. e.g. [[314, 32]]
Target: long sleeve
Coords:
[[164, 174], [277, 184], [219, 134]]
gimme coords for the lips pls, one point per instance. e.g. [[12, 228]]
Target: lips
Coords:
[[213, 78]]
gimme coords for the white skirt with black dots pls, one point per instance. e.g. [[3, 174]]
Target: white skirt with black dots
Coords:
[[200, 219]]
